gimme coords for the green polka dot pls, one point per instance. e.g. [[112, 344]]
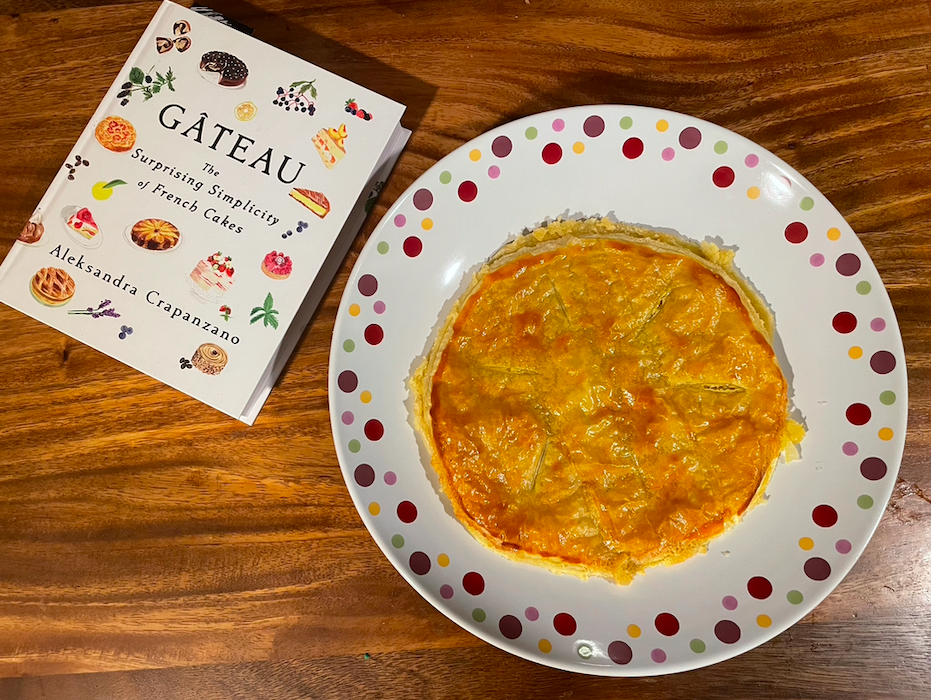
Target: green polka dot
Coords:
[[865, 502], [446, 177], [795, 597], [864, 287], [354, 446], [697, 645], [531, 134], [349, 345], [383, 247], [397, 541], [626, 123], [887, 398], [720, 148], [807, 203], [478, 615], [585, 651]]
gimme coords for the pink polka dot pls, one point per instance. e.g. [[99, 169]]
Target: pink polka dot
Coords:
[[374, 334], [407, 512], [558, 125], [729, 602], [632, 148], [379, 307], [400, 220], [552, 153], [446, 591], [494, 172], [658, 656], [723, 177], [816, 260], [878, 324], [668, 154], [532, 614], [347, 417], [752, 160], [423, 199], [859, 414], [413, 246], [850, 449], [391, 478], [565, 624], [843, 547], [468, 191]]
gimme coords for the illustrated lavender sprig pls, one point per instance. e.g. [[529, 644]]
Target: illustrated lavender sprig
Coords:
[[103, 309]]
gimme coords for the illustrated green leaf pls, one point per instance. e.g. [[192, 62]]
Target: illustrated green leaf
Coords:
[[257, 309], [273, 322], [136, 76], [160, 77], [156, 89], [113, 183], [170, 86], [269, 303], [313, 92]]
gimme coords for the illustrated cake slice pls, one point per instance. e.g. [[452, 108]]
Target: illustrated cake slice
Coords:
[[315, 201], [331, 145], [82, 222], [213, 276]]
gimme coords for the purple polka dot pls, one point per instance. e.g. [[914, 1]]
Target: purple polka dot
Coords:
[[723, 176], [420, 563], [882, 362], [510, 627], [859, 414], [400, 220], [727, 631], [796, 232], [501, 146], [468, 191], [379, 307], [532, 614], [423, 199], [873, 468], [558, 125], [620, 652], [843, 547], [368, 285], [878, 324], [848, 264], [446, 591], [729, 602], [364, 475], [816, 260], [413, 246], [552, 152], [565, 624], [494, 172], [407, 512], [347, 417], [347, 381], [658, 656], [632, 148], [374, 430], [594, 126], [817, 569], [689, 138], [850, 449], [373, 334], [844, 322], [668, 154], [391, 478], [752, 160]]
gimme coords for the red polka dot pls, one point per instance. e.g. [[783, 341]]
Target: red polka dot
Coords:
[[374, 334], [552, 153], [873, 468], [824, 516], [374, 430], [859, 414], [364, 475], [727, 631], [565, 624], [407, 512], [510, 627], [667, 624], [620, 652], [796, 232], [413, 246], [759, 587], [817, 569], [723, 176], [632, 148], [844, 322], [468, 191], [473, 583]]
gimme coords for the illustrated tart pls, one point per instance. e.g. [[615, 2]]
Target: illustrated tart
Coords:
[[155, 234], [603, 399], [52, 286], [315, 201], [277, 265], [115, 134], [232, 72], [209, 358]]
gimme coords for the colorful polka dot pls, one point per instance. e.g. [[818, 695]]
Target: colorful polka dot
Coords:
[[817, 569], [795, 597], [397, 541], [806, 204], [668, 154], [620, 652], [412, 246], [347, 381], [367, 285], [374, 508], [391, 478], [864, 288], [446, 591], [844, 322], [848, 264], [729, 602], [532, 614], [400, 221], [796, 232], [349, 345], [806, 543], [478, 615], [882, 362], [816, 260], [824, 516], [475, 155], [558, 125], [632, 148], [626, 123], [565, 624], [443, 560], [545, 646], [494, 172], [759, 587], [379, 307], [658, 656], [373, 334], [723, 176], [426, 224], [364, 475], [531, 133], [764, 620], [419, 563], [501, 147], [878, 324], [885, 434], [510, 627], [833, 234], [355, 446], [753, 193], [407, 512], [446, 177], [365, 396], [850, 448], [347, 418], [752, 160], [423, 199], [473, 583], [552, 153], [382, 247], [855, 353], [633, 631], [689, 138], [843, 546], [584, 651], [858, 414], [727, 631], [468, 191], [887, 398], [594, 126], [578, 147], [662, 125], [354, 309], [667, 624], [697, 646], [720, 148], [865, 502]]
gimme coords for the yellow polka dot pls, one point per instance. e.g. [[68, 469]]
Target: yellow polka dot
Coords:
[[578, 147], [545, 646], [806, 543], [855, 353], [633, 631], [475, 155], [662, 125], [365, 396], [374, 508], [753, 193], [763, 621], [443, 560], [426, 224], [354, 310], [886, 434], [833, 234]]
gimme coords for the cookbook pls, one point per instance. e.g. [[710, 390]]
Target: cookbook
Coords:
[[204, 210]]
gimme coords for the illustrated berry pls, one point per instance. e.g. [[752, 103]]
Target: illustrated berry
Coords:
[[303, 224], [348, 108], [126, 86], [122, 336], [284, 235], [85, 163], [354, 105], [361, 114], [124, 103], [148, 78], [280, 91], [353, 112], [71, 177], [368, 117]]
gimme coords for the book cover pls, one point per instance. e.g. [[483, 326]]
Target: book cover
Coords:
[[204, 209]]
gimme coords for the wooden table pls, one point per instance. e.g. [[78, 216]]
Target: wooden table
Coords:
[[152, 548]]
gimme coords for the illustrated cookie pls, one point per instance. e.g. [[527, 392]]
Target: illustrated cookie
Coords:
[[52, 286], [331, 145], [33, 231], [209, 358], [212, 276], [232, 71], [155, 234], [183, 43], [277, 265], [315, 201], [115, 134]]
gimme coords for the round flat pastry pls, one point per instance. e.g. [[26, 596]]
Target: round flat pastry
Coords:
[[155, 234], [603, 399]]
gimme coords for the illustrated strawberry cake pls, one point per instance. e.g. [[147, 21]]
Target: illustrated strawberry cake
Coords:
[[82, 222], [212, 276], [277, 265]]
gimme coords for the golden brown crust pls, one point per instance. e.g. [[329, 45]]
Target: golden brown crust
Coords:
[[603, 399]]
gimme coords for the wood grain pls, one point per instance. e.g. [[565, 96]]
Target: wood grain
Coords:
[[152, 548]]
